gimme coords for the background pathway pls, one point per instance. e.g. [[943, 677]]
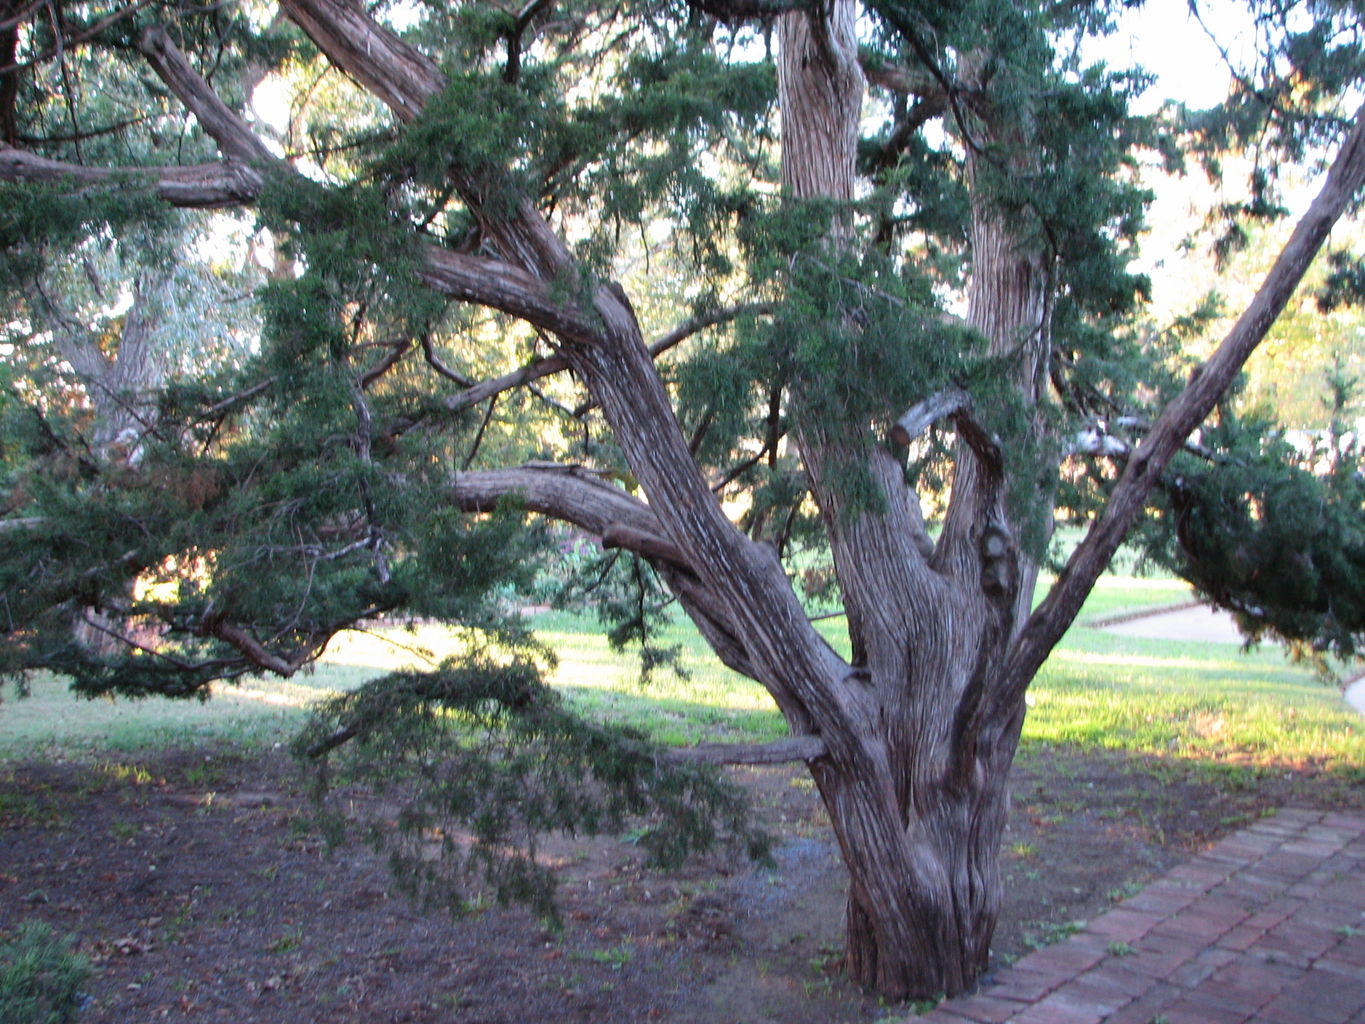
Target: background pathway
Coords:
[[1268, 925]]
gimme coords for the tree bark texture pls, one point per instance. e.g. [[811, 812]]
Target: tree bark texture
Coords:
[[919, 813]]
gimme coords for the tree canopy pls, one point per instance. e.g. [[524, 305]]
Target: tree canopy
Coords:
[[717, 283]]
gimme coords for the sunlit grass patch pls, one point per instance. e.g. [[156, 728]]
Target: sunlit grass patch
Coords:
[[1208, 703], [1190, 700]]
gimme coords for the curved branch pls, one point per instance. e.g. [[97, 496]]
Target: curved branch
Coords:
[[956, 404], [402, 78], [569, 493], [506, 287]]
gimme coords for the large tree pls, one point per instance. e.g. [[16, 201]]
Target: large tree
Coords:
[[912, 276]]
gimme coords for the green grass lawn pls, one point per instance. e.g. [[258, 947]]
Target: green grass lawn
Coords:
[[1205, 702]]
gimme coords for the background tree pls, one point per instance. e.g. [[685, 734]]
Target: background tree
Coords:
[[918, 273]]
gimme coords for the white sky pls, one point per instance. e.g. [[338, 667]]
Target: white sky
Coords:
[[1164, 38]]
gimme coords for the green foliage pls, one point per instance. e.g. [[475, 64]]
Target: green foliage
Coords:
[[40, 976], [480, 759], [1271, 533], [1345, 284], [628, 598]]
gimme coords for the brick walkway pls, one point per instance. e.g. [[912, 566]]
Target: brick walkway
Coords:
[[1267, 926]]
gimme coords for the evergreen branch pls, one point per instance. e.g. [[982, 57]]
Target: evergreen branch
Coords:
[[63, 40], [506, 287], [547, 365], [224, 406], [1096, 440], [439, 365], [1144, 469], [693, 325], [568, 493], [397, 350], [256, 652], [710, 318], [404, 80]]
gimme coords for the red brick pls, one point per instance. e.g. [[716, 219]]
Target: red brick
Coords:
[[1088, 997], [1191, 924], [1067, 958], [1159, 899], [1047, 1012], [984, 1009], [938, 1016], [1241, 938], [1297, 943], [1146, 1007], [1274, 912], [1249, 984], [1188, 1011], [1297, 816], [1112, 977], [1345, 821], [1024, 985], [1350, 950], [1330, 963], [1159, 955], [1124, 925], [1201, 875], [1325, 998], [1202, 967]]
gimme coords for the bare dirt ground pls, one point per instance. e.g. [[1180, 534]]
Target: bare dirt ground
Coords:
[[194, 883]]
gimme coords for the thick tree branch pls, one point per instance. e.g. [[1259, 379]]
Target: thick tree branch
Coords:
[[220, 122], [569, 493], [256, 652], [1052, 618], [197, 186], [651, 546], [404, 80], [956, 404], [506, 287]]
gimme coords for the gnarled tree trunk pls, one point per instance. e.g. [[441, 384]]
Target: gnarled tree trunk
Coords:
[[919, 813]]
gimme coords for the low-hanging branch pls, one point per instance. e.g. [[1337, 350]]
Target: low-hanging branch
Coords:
[[793, 748]]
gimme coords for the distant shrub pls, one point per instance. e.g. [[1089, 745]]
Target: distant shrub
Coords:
[[40, 977]]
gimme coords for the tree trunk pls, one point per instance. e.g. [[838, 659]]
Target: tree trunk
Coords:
[[920, 808]]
